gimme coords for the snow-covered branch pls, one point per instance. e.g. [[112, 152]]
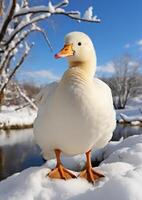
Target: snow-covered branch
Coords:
[[47, 13], [30, 102], [46, 38], [7, 19], [12, 47], [56, 9], [15, 68], [77, 16], [61, 4], [22, 26], [19, 40], [19, 21]]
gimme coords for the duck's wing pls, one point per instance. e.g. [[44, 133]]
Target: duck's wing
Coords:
[[104, 89], [45, 92]]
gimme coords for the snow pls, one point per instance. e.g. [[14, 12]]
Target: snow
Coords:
[[75, 14], [56, 9], [59, 10], [21, 46], [27, 18], [9, 117], [17, 8], [51, 7], [132, 113], [32, 9], [66, 1], [131, 118], [10, 30], [88, 15], [122, 167], [120, 162]]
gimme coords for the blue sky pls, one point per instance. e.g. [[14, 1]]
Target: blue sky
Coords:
[[119, 32]]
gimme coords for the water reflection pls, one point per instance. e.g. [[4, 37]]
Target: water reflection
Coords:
[[18, 150], [126, 131]]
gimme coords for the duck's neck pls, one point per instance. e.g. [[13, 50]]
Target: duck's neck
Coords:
[[88, 68]]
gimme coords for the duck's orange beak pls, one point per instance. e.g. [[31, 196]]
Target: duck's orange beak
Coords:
[[65, 52]]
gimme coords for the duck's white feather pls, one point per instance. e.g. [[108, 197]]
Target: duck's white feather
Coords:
[[41, 98], [74, 115]]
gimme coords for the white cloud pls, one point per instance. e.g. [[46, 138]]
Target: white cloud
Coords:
[[108, 68], [133, 63], [139, 42], [127, 46], [40, 75]]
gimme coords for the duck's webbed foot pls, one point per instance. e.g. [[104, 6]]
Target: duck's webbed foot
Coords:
[[60, 172], [89, 173]]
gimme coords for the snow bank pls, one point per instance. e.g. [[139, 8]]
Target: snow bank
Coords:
[[129, 119], [123, 178], [132, 114], [10, 118]]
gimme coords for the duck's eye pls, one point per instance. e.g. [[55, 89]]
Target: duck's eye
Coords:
[[79, 43]]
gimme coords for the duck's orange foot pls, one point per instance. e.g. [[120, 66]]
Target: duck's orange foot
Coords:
[[61, 172], [91, 175]]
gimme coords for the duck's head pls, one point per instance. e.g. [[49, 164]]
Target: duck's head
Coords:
[[79, 51]]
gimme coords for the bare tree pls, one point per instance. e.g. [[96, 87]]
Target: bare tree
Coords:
[[126, 80], [1, 8], [17, 21], [31, 89]]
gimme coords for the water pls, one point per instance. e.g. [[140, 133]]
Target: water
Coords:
[[126, 131], [18, 150]]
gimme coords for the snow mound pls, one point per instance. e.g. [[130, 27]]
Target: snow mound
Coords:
[[123, 178]]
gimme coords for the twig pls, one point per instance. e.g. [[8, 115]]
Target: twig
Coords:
[[7, 20], [46, 38], [72, 15], [20, 39], [15, 69], [61, 4], [26, 97]]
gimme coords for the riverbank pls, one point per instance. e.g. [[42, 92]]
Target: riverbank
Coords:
[[132, 114], [13, 118]]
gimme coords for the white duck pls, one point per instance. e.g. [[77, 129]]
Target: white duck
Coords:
[[76, 114]]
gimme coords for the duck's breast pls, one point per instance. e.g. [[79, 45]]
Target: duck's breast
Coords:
[[77, 115]]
